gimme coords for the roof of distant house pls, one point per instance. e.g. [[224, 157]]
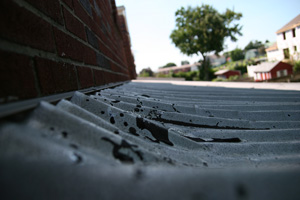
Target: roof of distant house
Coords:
[[272, 47], [292, 24], [266, 66], [223, 71], [214, 56], [177, 67]]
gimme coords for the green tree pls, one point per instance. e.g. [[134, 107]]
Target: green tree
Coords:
[[146, 72], [237, 54], [256, 45], [168, 65], [253, 45], [296, 67], [202, 30], [185, 62]]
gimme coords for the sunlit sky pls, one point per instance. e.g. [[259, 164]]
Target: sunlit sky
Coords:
[[151, 22]]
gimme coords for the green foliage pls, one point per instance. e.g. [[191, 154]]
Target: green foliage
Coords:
[[168, 65], [233, 78], [256, 45], [185, 62], [253, 45], [206, 72], [161, 75], [227, 54], [189, 76], [237, 54], [146, 72], [296, 67], [203, 30], [240, 65], [219, 80]]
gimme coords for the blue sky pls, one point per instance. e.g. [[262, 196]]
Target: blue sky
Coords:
[[151, 23]]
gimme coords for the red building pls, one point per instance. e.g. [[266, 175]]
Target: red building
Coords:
[[51, 47], [226, 73], [269, 70]]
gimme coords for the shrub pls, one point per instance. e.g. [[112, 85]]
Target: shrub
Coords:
[[296, 67]]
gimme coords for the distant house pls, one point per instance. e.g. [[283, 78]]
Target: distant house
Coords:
[[269, 70], [216, 60], [273, 53], [183, 68], [225, 73], [252, 53], [288, 42]]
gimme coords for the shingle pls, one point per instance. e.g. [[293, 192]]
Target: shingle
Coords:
[[290, 25], [156, 141]]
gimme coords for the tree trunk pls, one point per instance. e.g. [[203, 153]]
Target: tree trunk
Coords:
[[206, 68]]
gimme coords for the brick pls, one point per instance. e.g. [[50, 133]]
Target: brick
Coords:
[[97, 19], [50, 8], [86, 5], [16, 76], [55, 77], [22, 26], [69, 3], [99, 77], [81, 13], [97, 9], [103, 62], [85, 76], [74, 25], [92, 39], [69, 47]]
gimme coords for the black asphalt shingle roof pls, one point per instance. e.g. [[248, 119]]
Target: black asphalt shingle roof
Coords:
[[155, 141]]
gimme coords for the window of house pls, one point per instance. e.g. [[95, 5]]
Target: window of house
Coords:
[[284, 36], [281, 73], [294, 32], [286, 53], [295, 48]]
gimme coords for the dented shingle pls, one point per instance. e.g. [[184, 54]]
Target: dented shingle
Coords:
[[157, 141]]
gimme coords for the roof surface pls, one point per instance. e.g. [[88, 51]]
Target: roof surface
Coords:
[[178, 67], [155, 141], [292, 24], [223, 71], [266, 66], [273, 47]]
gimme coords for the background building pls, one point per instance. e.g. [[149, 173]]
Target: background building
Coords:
[[288, 42], [226, 73]]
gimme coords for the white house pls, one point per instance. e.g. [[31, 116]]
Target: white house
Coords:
[[216, 60], [288, 42]]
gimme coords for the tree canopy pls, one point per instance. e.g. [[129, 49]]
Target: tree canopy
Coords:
[[185, 62], [256, 45], [237, 54], [146, 72], [253, 45], [202, 30]]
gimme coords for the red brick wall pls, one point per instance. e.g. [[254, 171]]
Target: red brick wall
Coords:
[[49, 47], [127, 47]]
